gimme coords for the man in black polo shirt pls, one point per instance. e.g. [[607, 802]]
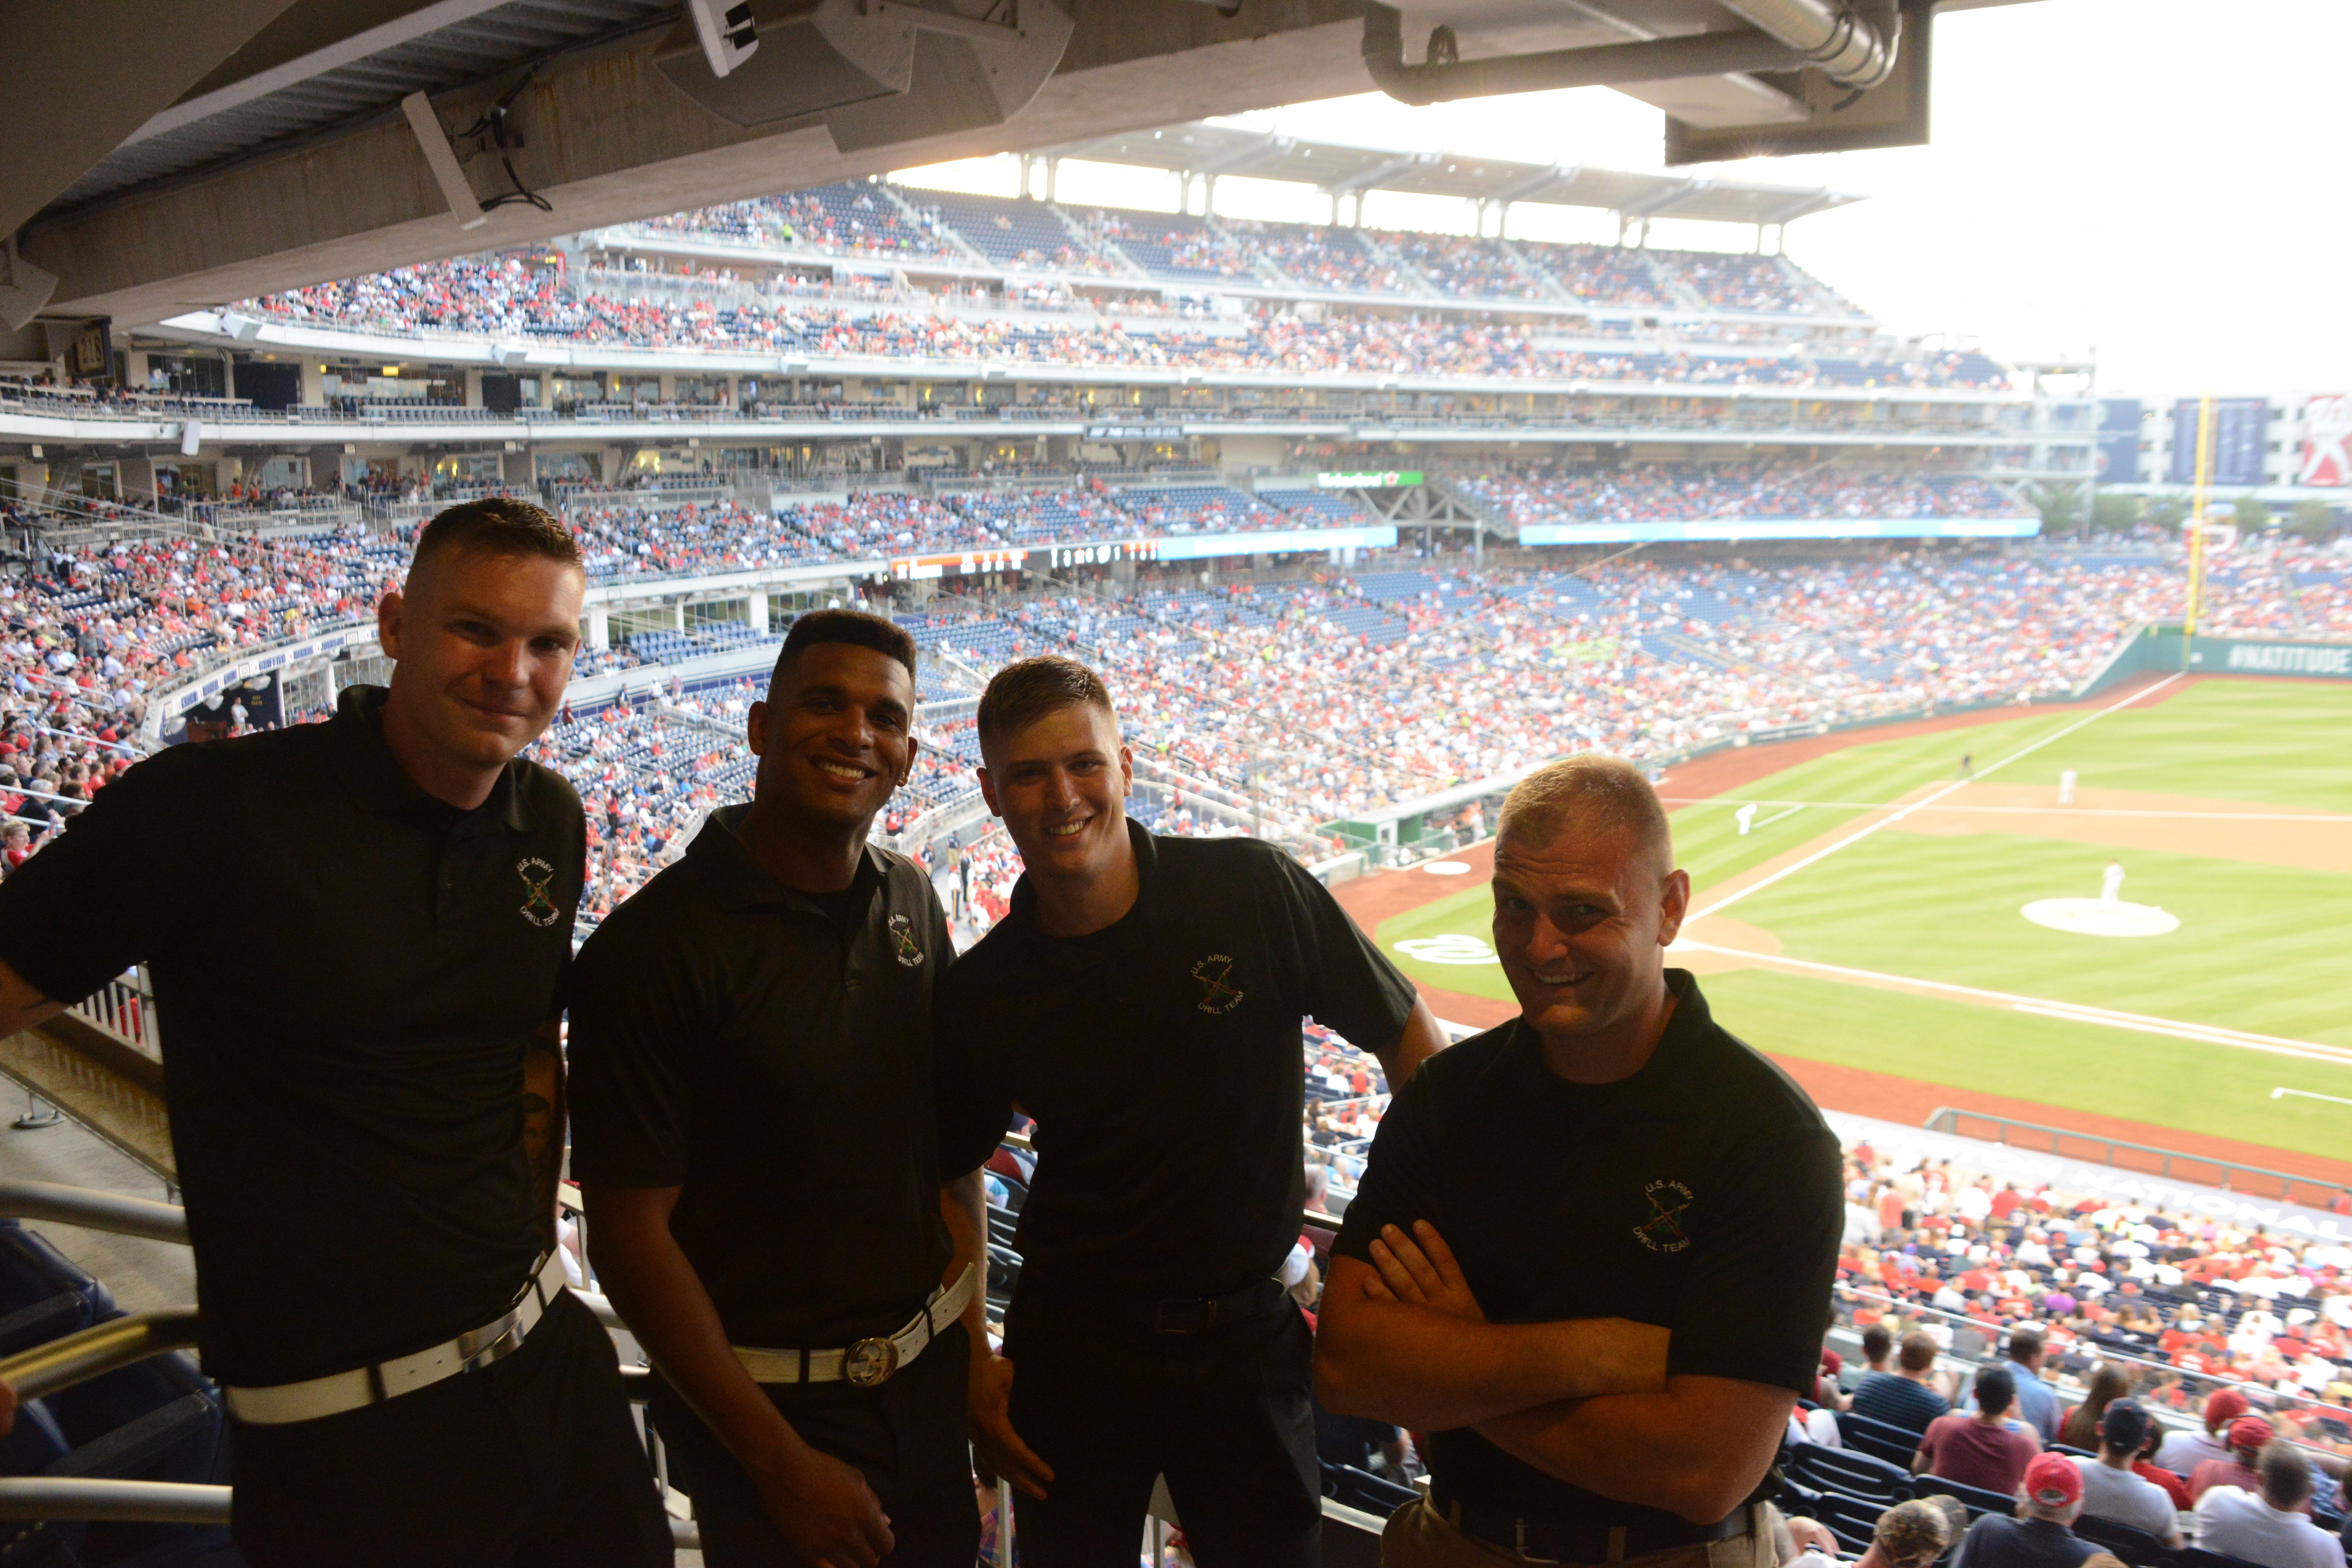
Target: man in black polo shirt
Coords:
[[1142, 1002], [369, 1142], [753, 1065], [1591, 1255]]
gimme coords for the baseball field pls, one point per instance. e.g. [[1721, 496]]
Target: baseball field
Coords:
[[1872, 921]]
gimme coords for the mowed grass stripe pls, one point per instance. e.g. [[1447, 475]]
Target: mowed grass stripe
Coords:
[[2074, 1065], [2275, 742], [1707, 843], [2260, 947]]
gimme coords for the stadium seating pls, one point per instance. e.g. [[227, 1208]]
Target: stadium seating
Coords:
[[518, 293]]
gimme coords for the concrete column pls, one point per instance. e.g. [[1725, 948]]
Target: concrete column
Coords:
[[600, 627], [474, 386], [314, 385], [755, 610], [514, 470], [134, 478]]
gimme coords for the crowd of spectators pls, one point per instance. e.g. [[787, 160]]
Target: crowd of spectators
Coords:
[[622, 541], [846, 220], [528, 294], [2085, 1363], [1468, 268], [1543, 493], [857, 221], [1298, 703]]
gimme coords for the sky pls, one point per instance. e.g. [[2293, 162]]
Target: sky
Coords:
[[2150, 182]]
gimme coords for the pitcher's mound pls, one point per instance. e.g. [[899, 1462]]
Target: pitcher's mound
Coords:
[[2098, 916]]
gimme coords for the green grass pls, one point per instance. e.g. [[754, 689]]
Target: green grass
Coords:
[[2261, 948], [2053, 1061]]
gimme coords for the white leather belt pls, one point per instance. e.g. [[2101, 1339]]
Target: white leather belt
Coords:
[[871, 1362], [281, 1403]]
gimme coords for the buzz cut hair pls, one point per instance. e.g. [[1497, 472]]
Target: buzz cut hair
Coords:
[[496, 525], [1029, 689], [1593, 792], [857, 628]]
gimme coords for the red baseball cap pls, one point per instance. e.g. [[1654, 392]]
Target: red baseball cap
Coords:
[[2249, 1433], [2226, 1404], [2052, 1481]]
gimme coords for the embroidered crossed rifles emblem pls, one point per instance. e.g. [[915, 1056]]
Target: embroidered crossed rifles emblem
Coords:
[[539, 909], [1662, 1231], [902, 939], [1216, 996]]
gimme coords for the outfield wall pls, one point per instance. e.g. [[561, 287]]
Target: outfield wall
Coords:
[[2159, 648]]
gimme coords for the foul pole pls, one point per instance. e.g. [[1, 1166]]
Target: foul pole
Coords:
[[2197, 525]]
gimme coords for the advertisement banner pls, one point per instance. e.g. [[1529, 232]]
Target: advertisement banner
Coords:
[[2118, 449], [2241, 432], [2327, 441]]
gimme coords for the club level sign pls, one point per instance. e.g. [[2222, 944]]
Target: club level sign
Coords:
[[1383, 479]]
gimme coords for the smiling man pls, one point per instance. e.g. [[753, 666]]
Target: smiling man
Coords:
[[1142, 1002], [369, 1142], [1591, 1255], [754, 1083]]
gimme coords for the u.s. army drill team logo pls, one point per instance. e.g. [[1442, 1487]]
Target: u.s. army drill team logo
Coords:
[[1218, 994], [539, 909], [902, 942], [1662, 1231]]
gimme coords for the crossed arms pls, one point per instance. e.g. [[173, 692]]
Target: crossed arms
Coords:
[[1587, 1400]]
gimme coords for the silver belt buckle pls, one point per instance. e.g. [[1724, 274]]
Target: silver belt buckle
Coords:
[[869, 1363], [492, 1342]]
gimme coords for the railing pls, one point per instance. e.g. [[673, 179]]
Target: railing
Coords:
[[112, 1212], [2150, 1378], [78, 1358], [2203, 1170], [125, 1008]]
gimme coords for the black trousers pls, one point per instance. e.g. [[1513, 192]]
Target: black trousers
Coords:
[[1224, 1415], [909, 1437], [531, 1460]]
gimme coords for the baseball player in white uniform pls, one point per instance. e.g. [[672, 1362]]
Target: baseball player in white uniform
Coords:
[[1745, 818], [2066, 787], [2110, 883]]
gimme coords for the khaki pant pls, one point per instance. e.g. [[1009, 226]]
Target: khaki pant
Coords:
[[1418, 1536]]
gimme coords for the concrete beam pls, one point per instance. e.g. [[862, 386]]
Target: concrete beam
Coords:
[[609, 140], [82, 75]]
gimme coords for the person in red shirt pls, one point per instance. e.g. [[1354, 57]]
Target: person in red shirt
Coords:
[[1986, 1449], [2146, 1467], [2248, 1434]]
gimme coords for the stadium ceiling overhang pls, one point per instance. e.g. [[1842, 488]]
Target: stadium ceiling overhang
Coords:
[[1220, 149]]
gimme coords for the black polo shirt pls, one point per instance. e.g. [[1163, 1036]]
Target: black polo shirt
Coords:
[[731, 1038], [1161, 1059], [347, 972], [1702, 1193]]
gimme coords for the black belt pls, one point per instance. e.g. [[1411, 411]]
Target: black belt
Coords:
[[1198, 1315], [1557, 1540]]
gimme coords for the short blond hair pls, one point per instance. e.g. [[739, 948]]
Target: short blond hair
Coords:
[[1592, 792]]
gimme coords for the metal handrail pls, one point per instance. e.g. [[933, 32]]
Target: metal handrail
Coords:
[[91, 1210], [112, 1501], [62, 1363]]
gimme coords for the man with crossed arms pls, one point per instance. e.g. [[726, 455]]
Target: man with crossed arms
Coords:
[[1591, 1255]]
